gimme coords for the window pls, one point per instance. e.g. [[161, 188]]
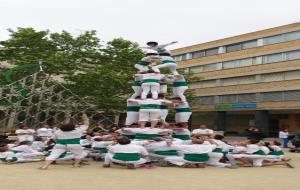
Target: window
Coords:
[[228, 99], [245, 62], [209, 83], [197, 54], [234, 47], [292, 36], [246, 98], [183, 57], [293, 55], [292, 75], [272, 58], [204, 100], [292, 95], [210, 67], [246, 79], [272, 96], [229, 64], [273, 39], [249, 44], [203, 84], [272, 77], [213, 51], [196, 69], [238, 80]]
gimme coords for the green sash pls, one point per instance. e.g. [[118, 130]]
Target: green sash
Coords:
[[150, 80], [145, 63], [136, 83], [133, 108], [166, 152], [127, 156], [163, 107], [68, 141], [183, 110], [100, 149], [276, 153], [217, 150], [182, 137], [196, 157], [141, 136], [13, 159], [168, 61], [150, 106], [177, 84], [260, 152]]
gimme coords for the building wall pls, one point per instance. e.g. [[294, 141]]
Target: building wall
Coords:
[[265, 73]]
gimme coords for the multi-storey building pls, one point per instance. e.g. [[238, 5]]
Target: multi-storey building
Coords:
[[247, 80]]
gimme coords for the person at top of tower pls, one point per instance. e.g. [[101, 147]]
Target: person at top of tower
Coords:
[[159, 48]]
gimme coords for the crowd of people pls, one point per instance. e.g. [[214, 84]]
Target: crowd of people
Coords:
[[147, 139]]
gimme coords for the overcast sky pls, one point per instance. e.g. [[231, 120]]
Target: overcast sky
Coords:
[[187, 21]]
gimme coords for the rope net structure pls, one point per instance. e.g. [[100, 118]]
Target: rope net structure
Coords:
[[37, 99]]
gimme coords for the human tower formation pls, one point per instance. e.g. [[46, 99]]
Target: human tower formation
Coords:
[[148, 103]]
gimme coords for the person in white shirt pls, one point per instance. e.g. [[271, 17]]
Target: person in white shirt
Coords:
[[202, 132], [45, 131], [284, 136], [166, 62], [183, 111], [182, 133], [150, 83], [125, 153], [145, 62], [179, 87], [196, 154], [132, 113], [24, 133], [136, 86], [99, 147], [67, 140], [158, 48], [217, 154], [150, 110], [7, 156]]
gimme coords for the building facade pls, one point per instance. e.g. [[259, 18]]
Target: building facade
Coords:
[[247, 80]]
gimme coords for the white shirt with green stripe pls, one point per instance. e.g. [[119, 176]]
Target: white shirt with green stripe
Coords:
[[183, 107], [70, 135], [152, 78], [150, 104]]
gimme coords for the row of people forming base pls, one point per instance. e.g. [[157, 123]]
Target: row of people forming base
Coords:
[[143, 147]]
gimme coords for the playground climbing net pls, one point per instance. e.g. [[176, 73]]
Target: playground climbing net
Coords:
[[37, 99]]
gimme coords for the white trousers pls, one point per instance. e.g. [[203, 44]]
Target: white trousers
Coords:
[[179, 160], [137, 91], [163, 89], [154, 89], [59, 149], [150, 115], [182, 117], [164, 114], [179, 92], [214, 159], [171, 66], [108, 159], [131, 118]]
